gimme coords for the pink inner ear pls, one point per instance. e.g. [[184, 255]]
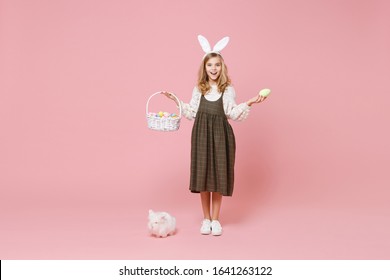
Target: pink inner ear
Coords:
[[162, 219]]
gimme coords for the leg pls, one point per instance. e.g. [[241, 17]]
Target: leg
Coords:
[[206, 223], [216, 228], [216, 207], [205, 198]]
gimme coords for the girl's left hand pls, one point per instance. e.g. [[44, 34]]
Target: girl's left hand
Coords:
[[256, 99]]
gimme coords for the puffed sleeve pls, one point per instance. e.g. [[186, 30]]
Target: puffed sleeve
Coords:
[[189, 109], [233, 111]]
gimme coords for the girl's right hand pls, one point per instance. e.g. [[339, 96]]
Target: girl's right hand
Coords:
[[170, 96]]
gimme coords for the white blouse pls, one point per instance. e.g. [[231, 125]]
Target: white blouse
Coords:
[[233, 111]]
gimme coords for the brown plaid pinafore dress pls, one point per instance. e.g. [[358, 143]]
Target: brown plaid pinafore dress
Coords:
[[213, 149]]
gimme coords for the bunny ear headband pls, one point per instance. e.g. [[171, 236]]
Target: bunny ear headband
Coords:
[[217, 48]]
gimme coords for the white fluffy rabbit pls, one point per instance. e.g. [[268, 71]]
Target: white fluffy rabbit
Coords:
[[161, 224]]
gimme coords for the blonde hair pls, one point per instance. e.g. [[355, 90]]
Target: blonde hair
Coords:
[[203, 79]]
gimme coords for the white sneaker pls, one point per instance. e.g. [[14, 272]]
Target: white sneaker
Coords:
[[216, 228], [206, 227]]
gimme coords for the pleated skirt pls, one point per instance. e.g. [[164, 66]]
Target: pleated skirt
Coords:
[[213, 150]]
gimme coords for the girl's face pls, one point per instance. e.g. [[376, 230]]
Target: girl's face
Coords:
[[213, 68]]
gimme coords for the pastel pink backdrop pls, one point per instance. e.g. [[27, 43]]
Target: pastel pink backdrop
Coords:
[[80, 169]]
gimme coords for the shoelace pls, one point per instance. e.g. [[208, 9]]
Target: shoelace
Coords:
[[206, 223], [216, 225]]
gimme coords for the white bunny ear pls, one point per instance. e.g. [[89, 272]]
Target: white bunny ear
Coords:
[[204, 44], [221, 44]]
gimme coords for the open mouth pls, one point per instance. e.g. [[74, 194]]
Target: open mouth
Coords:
[[214, 73]]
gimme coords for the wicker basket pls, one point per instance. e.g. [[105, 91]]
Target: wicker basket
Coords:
[[162, 124]]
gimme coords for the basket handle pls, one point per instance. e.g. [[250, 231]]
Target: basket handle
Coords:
[[159, 92]]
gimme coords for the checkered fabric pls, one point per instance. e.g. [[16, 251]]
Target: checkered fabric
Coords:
[[213, 149]]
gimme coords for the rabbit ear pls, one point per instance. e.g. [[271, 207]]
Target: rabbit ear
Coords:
[[204, 44], [163, 217], [221, 44]]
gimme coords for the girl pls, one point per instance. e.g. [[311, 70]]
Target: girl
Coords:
[[213, 144]]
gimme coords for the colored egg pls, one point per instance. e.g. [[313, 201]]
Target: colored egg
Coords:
[[264, 92]]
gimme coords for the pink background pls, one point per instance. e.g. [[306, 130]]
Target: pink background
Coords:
[[79, 168]]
